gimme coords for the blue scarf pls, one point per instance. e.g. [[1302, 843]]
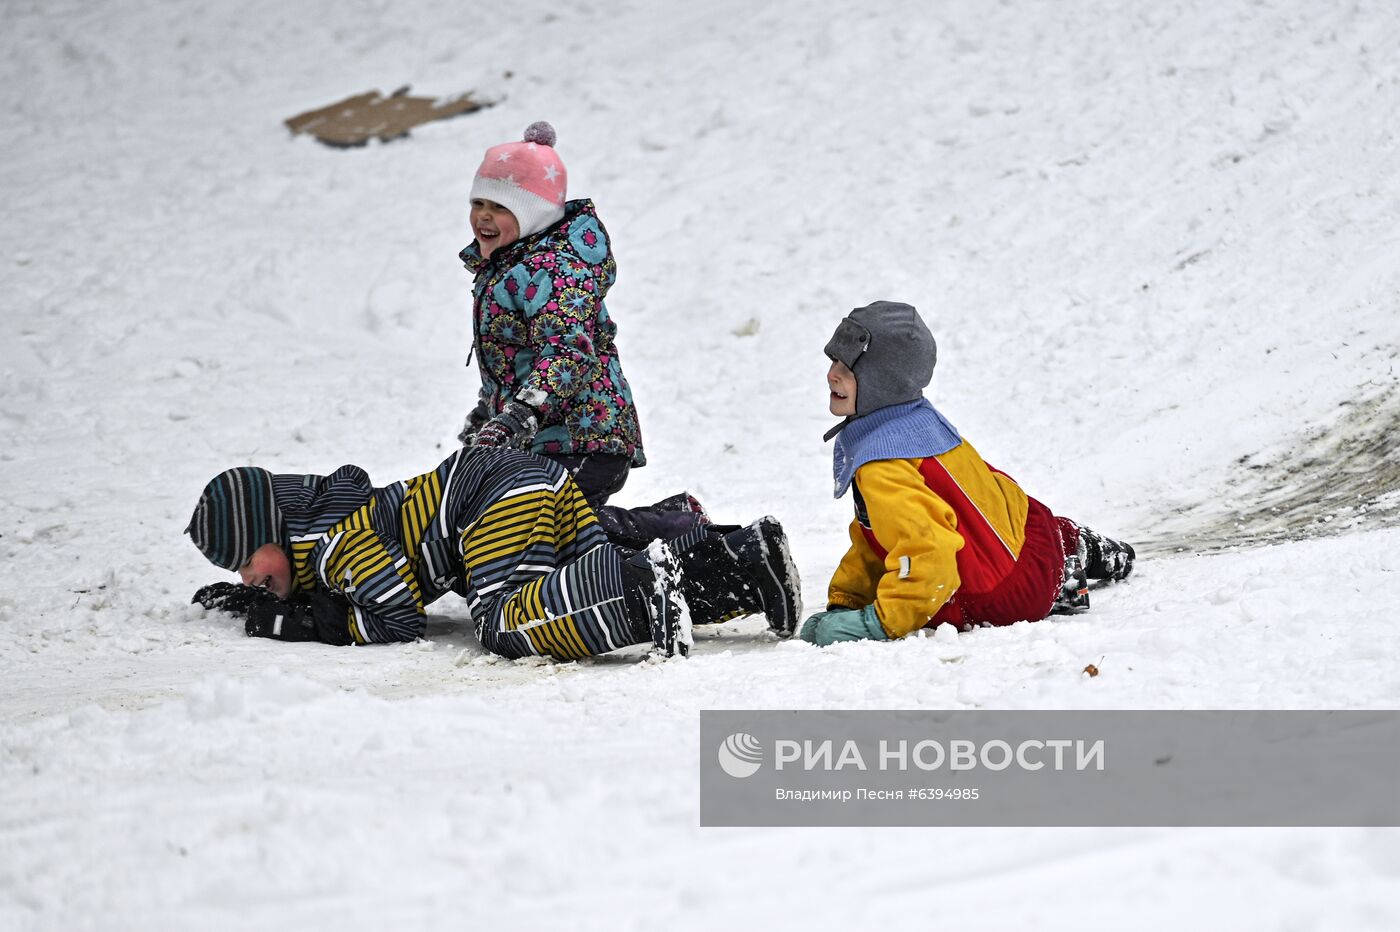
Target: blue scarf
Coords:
[[910, 430]]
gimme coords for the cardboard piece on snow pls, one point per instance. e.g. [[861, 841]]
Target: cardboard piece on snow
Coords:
[[358, 119]]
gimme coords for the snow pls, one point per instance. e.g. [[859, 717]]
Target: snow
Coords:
[[1157, 244]]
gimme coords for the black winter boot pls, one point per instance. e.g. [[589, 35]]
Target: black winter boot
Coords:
[[762, 550], [669, 519], [652, 592], [682, 502], [716, 584], [1105, 557], [1074, 585]]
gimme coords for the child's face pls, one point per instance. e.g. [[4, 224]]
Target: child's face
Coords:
[[269, 568], [842, 382], [493, 226]]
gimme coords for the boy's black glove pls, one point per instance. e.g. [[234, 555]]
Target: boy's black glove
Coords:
[[234, 598], [513, 427], [323, 616], [478, 417]]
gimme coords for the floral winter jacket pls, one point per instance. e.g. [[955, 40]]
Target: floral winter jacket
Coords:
[[543, 334]]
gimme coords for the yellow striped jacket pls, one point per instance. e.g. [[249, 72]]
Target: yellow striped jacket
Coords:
[[482, 524]]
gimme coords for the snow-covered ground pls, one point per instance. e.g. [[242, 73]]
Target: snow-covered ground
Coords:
[[1159, 245]]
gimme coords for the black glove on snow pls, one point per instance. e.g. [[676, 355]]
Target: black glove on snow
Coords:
[[513, 427], [234, 598], [478, 417], [324, 617], [330, 613]]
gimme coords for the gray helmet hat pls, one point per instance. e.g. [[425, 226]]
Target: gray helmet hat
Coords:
[[890, 350]]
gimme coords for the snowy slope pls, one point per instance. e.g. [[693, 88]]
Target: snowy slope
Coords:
[[1157, 244]]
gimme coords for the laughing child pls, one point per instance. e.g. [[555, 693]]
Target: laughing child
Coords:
[[939, 536], [546, 351]]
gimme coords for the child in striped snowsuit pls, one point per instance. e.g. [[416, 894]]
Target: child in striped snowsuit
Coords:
[[338, 560], [939, 536]]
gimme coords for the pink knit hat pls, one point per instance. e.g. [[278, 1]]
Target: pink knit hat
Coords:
[[526, 178]]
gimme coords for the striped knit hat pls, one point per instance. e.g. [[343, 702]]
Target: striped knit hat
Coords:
[[236, 514]]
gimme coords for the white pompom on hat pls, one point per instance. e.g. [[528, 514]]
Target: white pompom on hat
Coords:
[[527, 178]]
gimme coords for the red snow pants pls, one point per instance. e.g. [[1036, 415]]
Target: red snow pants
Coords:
[[1029, 591]]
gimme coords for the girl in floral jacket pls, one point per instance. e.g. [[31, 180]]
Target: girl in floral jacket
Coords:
[[551, 378]]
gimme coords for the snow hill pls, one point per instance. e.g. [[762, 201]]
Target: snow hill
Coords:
[[1159, 245]]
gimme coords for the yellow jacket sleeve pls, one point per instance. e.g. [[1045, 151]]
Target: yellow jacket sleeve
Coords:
[[853, 584], [919, 531], [386, 602]]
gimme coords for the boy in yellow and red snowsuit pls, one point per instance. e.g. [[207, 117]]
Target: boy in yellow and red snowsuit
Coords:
[[939, 536]]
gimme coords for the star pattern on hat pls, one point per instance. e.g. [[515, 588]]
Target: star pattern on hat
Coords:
[[529, 167]]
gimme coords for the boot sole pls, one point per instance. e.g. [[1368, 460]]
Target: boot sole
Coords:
[[671, 631], [782, 612]]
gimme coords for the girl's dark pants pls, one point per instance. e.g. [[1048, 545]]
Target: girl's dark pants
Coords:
[[599, 476]]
